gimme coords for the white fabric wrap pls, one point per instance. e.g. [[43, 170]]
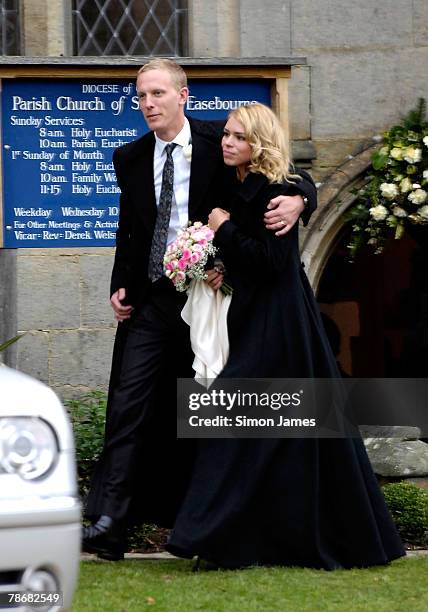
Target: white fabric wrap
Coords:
[[206, 313]]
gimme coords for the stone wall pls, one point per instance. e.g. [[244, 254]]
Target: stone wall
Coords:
[[366, 61], [63, 305]]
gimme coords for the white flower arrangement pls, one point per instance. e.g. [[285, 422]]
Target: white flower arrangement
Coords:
[[397, 192]]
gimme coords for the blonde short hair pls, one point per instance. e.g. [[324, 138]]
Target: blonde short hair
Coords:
[[264, 133], [178, 76]]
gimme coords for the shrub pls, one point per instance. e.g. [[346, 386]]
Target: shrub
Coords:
[[408, 505], [87, 416]]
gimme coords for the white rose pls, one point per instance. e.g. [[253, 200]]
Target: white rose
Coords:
[[389, 190], [187, 152], [423, 212], [397, 153], [399, 212], [405, 185], [425, 174], [379, 213], [413, 154], [418, 196], [425, 140]]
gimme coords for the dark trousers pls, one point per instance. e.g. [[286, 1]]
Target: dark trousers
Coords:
[[142, 406]]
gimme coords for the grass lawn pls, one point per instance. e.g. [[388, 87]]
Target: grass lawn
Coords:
[[170, 586]]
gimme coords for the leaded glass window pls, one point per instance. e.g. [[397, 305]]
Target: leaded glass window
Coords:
[[130, 27], [10, 42]]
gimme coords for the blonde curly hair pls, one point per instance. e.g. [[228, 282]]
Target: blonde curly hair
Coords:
[[269, 151]]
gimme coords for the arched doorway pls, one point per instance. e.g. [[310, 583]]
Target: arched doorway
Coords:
[[379, 304]]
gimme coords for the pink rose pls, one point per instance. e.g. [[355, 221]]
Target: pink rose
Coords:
[[194, 258], [198, 236]]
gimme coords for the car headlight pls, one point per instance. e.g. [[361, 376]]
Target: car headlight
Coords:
[[28, 446]]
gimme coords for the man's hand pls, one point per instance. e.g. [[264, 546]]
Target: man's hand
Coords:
[[214, 278], [121, 312], [283, 213], [216, 217]]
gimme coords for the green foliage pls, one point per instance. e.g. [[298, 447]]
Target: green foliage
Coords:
[[408, 505], [395, 196], [416, 117], [140, 535], [87, 416], [6, 344]]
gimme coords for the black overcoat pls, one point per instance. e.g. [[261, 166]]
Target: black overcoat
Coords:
[[308, 502], [274, 324]]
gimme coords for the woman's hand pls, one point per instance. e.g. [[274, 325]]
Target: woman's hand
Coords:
[[214, 278], [217, 217]]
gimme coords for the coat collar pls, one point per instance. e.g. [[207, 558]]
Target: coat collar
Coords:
[[252, 185]]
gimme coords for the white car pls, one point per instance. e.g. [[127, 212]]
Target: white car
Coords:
[[39, 509]]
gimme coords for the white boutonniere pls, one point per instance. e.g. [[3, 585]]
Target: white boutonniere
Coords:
[[187, 152]]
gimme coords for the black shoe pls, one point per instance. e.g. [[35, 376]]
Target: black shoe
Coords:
[[105, 539], [204, 565]]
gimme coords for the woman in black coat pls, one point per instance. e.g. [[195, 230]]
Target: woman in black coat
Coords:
[[309, 502]]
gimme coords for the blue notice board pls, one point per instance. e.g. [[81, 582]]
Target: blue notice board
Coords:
[[57, 140]]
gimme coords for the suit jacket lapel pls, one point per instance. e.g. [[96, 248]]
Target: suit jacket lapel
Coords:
[[143, 179], [205, 163]]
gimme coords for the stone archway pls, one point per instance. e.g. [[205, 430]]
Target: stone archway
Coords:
[[378, 307], [334, 198]]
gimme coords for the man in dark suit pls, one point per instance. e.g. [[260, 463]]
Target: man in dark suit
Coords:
[[161, 190]]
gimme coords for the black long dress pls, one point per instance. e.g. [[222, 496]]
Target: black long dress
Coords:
[[306, 502]]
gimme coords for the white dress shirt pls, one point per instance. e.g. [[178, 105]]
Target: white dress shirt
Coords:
[[180, 201]]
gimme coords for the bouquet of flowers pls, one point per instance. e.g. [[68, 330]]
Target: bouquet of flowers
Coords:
[[185, 258], [396, 194]]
